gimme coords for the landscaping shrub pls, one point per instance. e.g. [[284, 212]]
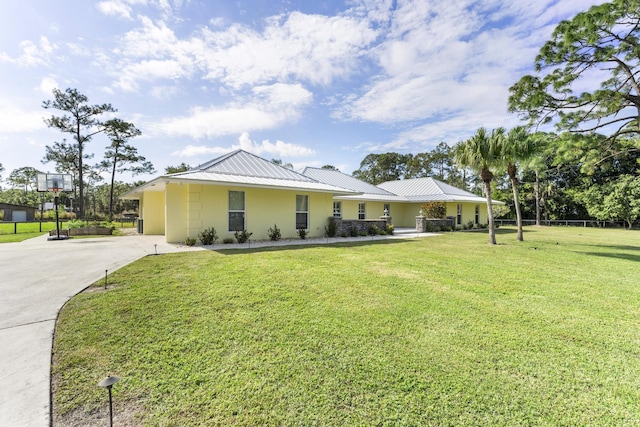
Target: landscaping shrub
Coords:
[[469, 225], [302, 233], [353, 232], [389, 229], [373, 230], [274, 233], [227, 240], [190, 241], [434, 210], [331, 229], [208, 236], [242, 236]]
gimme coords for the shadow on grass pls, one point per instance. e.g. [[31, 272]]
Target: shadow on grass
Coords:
[[628, 257], [295, 246], [618, 247]]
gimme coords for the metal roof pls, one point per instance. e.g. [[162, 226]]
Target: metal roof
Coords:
[[429, 190], [242, 163], [242, 169], [339, 179]]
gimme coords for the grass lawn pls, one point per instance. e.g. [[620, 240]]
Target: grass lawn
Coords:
[[445, 330]]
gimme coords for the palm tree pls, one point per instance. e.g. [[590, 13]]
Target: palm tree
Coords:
[[516, 147], [481, 153]]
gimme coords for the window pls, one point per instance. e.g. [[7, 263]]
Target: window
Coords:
[[337, 209], [361, 211], [477, 214], [236, 211], [302, 212], [386, 210], [459, 216]]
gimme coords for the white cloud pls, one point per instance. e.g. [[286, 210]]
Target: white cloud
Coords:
[[270, 107], [47, 85], [279, 149], [115, 8], [15, 120], [33, 54], [295, 47]]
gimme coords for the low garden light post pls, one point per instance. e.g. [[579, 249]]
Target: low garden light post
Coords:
[[108, 383]]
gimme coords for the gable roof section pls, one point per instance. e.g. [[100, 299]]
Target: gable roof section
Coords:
[[429, 190], [242, 163], [243, 169], [366, 191]]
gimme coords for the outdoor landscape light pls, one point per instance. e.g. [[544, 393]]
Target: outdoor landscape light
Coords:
[[108, 383]]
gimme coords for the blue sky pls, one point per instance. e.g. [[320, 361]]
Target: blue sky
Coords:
[[307, 82]]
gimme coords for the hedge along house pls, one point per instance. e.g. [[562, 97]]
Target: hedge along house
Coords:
[[237, 191], [401, 199]]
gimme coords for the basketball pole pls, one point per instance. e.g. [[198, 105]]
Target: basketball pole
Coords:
[[55, 201]]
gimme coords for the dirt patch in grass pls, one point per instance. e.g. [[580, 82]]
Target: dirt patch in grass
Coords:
[[126, 414]]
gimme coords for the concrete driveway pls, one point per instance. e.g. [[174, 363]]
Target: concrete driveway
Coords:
[[36, 278]]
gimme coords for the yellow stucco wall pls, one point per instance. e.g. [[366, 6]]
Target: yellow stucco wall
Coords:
[[176, 212], [152, 212], [192, 208]]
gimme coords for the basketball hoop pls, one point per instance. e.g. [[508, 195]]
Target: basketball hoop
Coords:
[[55, 183]]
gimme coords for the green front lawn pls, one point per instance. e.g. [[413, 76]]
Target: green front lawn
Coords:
[[445, 330]]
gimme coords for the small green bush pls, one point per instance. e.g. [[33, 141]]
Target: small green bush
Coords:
[[331, 229], [469, 225], [353, 232], [227, 240], [274, 233], [373, 230], [190, 241], [343, 234], [208, 236], [242, 236], [302, 233], [460, 228], [389, 229], [363, 234], [429, 227], [434, 209]]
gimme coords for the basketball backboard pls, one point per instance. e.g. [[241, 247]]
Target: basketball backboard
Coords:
[[54, 182]]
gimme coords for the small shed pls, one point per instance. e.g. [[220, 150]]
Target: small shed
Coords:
[[17, 213]]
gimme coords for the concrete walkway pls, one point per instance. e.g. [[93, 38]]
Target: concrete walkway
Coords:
[[37, 277]]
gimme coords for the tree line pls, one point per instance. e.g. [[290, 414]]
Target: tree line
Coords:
[[75, 116]]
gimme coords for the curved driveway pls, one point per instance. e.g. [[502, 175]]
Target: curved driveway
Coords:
[[37, 277]]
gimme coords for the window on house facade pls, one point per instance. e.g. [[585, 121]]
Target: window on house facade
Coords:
[[477, 214], [236, 211], [361, 210], [337, 209], [386, 210], [459, 214], [302, 211]]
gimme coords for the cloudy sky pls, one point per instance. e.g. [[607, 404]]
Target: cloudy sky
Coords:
[[310, 82]]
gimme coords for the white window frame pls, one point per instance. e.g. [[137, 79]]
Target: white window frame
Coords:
[[305, 212], [459, 214], [477, 218], [235, 211], [362, 210], [337, 209]]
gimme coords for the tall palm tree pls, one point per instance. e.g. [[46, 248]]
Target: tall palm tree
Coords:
[[482, 153], [517, 147]]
